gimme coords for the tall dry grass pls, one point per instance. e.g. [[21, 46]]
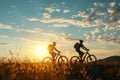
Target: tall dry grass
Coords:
[[27, 70], [37, 70]]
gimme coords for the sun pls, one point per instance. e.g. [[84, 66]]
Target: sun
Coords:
[[41, 51]]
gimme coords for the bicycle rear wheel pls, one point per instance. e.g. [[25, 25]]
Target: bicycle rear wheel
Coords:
[[91, 58], [74, 59], [47, 60], [62, 60]]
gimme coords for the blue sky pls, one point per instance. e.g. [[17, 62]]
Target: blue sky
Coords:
[[25, 24]]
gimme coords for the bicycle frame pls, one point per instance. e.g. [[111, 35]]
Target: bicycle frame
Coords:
[[57, 56], [85, 55]]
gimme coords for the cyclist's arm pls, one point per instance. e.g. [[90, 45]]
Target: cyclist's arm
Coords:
[[57, 50], [85, 48]]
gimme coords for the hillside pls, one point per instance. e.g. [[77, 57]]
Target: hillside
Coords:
[[112, 58]]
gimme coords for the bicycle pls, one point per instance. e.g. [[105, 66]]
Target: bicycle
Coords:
[[60, 59], [86, 57]]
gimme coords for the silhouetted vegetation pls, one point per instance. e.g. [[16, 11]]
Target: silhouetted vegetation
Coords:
[[28, 70]]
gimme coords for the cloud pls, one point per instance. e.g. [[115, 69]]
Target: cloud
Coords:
[[66, 11], [87, 37], [63, 3], [3, 43], [21, 38], [32, 19], [46, 15], [112, 4], [94, 33], [3, 36], [51, 9], [100, 13], [112, 24], [4, 26], [81, 14], [8, 27], [72, 39], [66, 34], [94, 17], [68, 21], [43, 37], [109, 38], [88, 21], [112, 20], [60, 25], [34, 30], [111, 11], [116, 11], [99, 4]]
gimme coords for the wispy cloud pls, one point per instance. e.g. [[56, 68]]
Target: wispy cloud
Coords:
[[99, 4], [66, 34], [3, 36], [93, 17], [60, 25], [51, 9], [34, 30], [32, 19], [8, 27], [66, 11], [94, 33], [4, 26], [72, 39], [69, 21], [100, 13], [3, 43], [46, 15], [81, 14], [43, 36], [109, 38], [87, 37], [112, 4]]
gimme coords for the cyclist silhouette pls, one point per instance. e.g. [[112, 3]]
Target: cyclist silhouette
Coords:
[[53, 50], [78, 46]]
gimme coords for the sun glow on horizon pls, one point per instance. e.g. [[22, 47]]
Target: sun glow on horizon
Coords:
[[41, 51]]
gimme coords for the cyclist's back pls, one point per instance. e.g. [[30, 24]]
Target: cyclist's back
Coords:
[[78, 48], [52, 49]]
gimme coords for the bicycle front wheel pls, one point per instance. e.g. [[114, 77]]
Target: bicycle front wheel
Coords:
[[62, 60], [91, 58], [74, 59]]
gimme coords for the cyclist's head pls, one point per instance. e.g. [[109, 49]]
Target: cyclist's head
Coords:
[[81, 41], [54, 43]]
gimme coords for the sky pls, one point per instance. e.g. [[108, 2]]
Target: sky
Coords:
[[29, 25]]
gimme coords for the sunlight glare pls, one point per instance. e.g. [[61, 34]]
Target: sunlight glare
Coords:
[[41, 51]]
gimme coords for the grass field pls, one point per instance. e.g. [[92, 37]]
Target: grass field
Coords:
[[28, 70]]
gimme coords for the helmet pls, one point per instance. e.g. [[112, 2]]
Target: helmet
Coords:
[[81, 41]]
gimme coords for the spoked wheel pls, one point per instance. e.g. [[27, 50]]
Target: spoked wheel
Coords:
[[91, 58], [74, 59], [47, 61], [62, 60]]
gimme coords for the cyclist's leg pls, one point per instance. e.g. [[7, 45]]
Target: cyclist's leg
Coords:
[[81, 54], [54, 55], [51, 53]]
